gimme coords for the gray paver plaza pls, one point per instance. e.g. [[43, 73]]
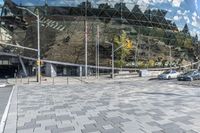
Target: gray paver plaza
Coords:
[[131, 106]]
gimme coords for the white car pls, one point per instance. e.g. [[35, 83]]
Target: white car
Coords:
[[169, 75]]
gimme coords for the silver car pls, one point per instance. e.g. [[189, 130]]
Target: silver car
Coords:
[[169, 74]]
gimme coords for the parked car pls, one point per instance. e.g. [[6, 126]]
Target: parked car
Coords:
[[169, 74], [189, 76]]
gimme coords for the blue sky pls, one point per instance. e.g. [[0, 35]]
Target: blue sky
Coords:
[[1, 1], [179, 11]]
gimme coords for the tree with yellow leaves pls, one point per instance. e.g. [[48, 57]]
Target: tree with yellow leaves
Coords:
[[126, 45]]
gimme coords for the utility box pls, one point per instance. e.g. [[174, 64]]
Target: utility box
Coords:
[[50, 70], [143, 73]]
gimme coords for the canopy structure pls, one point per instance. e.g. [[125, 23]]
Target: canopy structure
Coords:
[[119, 12]]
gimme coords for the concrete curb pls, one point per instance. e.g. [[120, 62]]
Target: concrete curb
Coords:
[[5, 114]]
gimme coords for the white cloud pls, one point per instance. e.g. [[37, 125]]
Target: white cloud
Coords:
[[176, 3], [1, 2], [28, 4], [182, 15], [195, 32], [194, 14], [195, 20], [176, 18], [144, 4], [186, 18], [159, 1], [179, 12], [169, 10], [196, 4]]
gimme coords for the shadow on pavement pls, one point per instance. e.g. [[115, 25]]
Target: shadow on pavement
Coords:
[[168, 94], [153, 79]]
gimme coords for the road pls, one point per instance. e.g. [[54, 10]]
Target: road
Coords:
[[120, 106], [4, 96]]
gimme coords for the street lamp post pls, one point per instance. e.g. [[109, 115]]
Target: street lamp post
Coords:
[[86, 41], [112, 58], [170, 54], [38, 42], [113, 52], [97, 52]]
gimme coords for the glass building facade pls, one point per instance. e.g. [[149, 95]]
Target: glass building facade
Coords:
[[152, 25]]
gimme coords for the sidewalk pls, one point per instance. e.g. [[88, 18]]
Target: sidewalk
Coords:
[[106, 106]]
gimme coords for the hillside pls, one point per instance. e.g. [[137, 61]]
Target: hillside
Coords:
[[64, 41]]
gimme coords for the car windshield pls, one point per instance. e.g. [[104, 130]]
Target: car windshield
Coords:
[[167, 72], [189, 73]]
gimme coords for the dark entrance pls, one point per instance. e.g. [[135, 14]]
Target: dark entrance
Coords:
[[7, 71]]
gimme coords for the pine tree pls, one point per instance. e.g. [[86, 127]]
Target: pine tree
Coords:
[[186, 30], [196, 39]]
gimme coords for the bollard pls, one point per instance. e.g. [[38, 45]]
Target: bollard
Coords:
[[21, 79], [40, 79], [67, 80], [80, 74], [53, 81], [16, 79], [28, 80]]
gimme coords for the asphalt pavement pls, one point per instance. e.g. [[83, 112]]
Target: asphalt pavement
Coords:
[[4, 96]]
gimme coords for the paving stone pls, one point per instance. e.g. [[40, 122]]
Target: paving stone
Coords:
[[190, 131], [79, 113], [25, 131], [62, 130], [90, 128], [106, 127], [45, 117], [29, 125], [158, 131], [63, 118], [117, 120], [125, 106], [51, 127], [114, 130]]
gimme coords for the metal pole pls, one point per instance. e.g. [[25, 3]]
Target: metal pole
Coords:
[[86, 41], [112, 60], [67, 80], [53, 82], [113, 52], [80, 73], [16, 78], [148, 54], [28, 80], [38, 30], [136, 50], [38, 37], [98, 51], [21, 79], [170, 54]]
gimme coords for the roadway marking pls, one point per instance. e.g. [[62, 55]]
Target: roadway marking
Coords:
[[5, 114]]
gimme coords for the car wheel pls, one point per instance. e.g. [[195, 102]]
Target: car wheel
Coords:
[[169, 77]]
